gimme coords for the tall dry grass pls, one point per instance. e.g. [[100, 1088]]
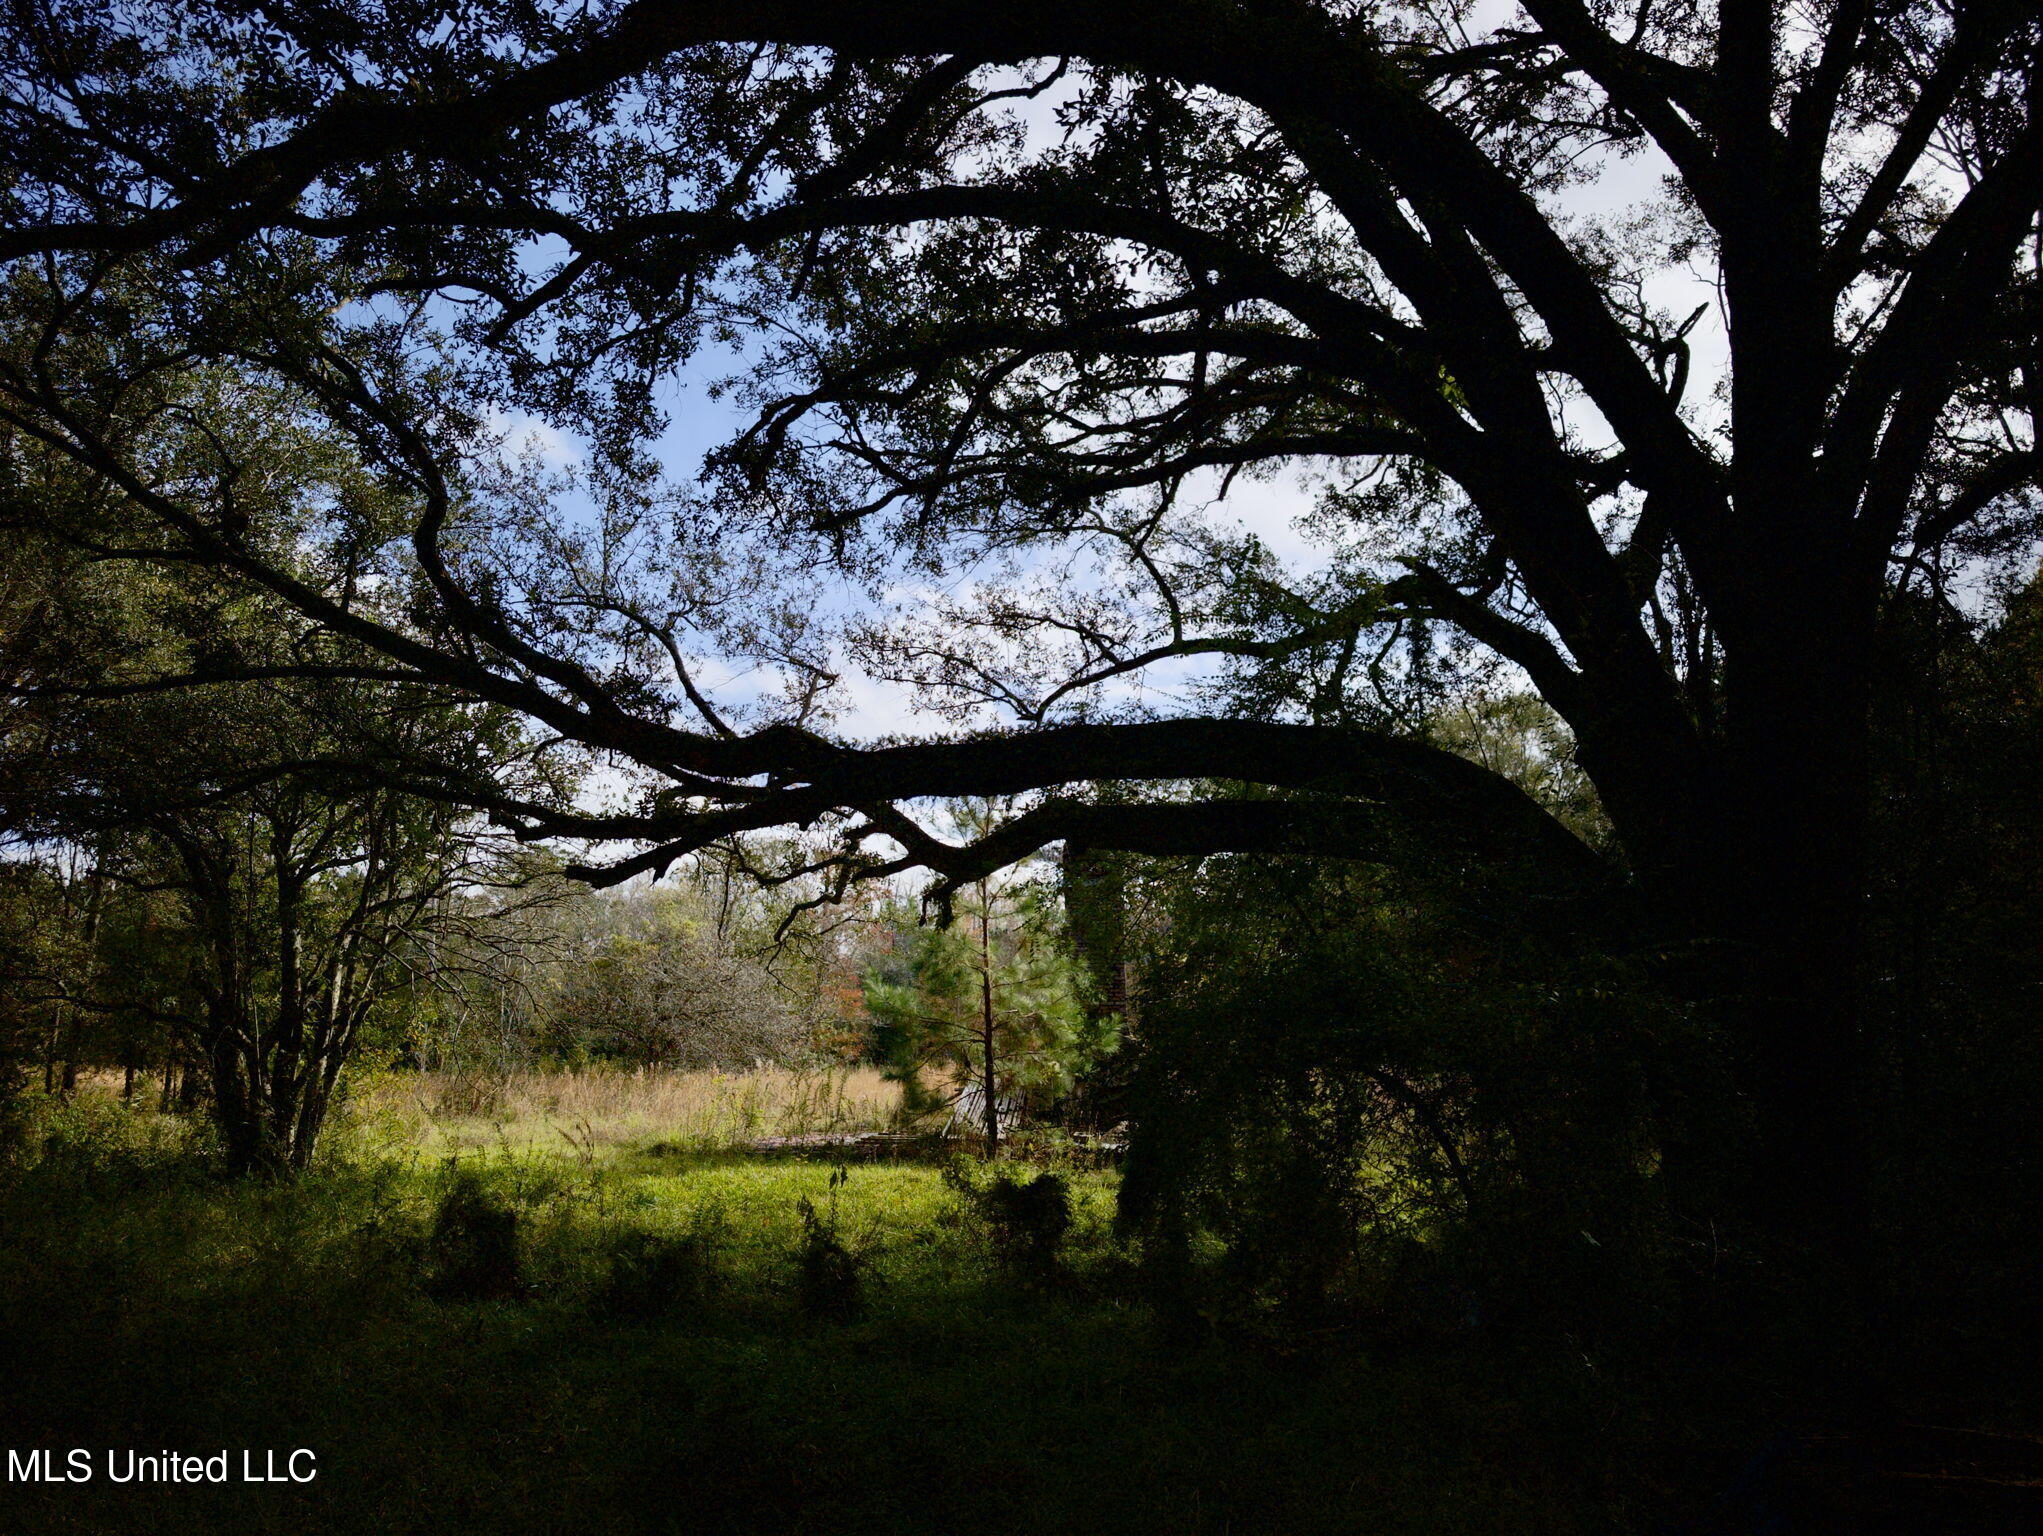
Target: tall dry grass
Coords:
[[589, 1110]]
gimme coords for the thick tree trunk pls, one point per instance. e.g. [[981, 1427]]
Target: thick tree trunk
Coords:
[[1790, 898], [1778, 902], [191, 1089]]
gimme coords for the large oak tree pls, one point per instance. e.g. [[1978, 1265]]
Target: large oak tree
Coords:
[[1031, 276]]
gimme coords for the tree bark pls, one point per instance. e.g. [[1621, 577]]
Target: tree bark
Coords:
[[287, 1074], [1791, 902], [1766, 908], [986, 1017]]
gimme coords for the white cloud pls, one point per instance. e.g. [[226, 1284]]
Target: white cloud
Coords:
[[1273, 510], [875, 707], [520, 432]]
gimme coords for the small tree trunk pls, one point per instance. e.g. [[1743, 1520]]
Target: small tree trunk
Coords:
[[287, 1069], [986, 1017], [95, 903], [240, 1107]]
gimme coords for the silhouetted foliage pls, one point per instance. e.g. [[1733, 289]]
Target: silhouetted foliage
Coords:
[[472, 1254], [1378, 1102], [1026, 1217], [1607, 843], [829, 1272]]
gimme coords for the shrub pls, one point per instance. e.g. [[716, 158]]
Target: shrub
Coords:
[[1367, 1099], [1026, 1220], [653, 1275], [473, 1252], [830, 1276]]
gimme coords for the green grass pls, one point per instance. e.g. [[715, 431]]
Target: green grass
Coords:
[[143, 1303]]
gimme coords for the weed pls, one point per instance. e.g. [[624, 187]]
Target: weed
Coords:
[[830, 1276], [601, 1110], [468, 1096], [142, 1295]]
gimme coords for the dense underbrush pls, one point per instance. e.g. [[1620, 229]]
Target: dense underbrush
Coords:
[[528, 1340]]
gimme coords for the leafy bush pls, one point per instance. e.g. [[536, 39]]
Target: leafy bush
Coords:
[[90, 1141], [1363, 1099], [1026, 1220], [829, 1274], [472, 1254], [655, 986], [652, 1275]]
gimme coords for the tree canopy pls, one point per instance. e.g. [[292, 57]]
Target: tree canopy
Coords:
[[1022, 287]]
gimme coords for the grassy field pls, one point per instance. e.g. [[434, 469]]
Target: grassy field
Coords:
[[441, 1112], [656, 1363]]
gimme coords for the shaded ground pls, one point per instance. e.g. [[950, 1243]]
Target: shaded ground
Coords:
[[648, 1364], [143, 1305]]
